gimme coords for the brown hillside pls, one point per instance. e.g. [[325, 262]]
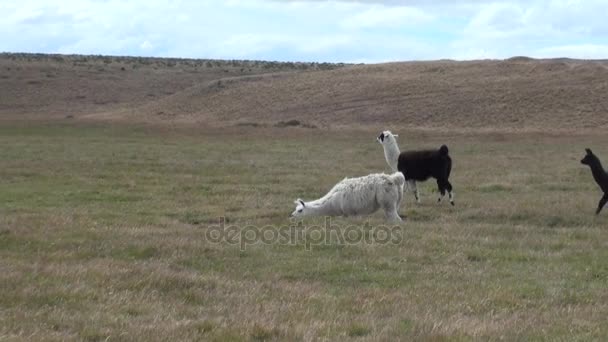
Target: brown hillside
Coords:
[[490, 94], [39, 86], [518, 93]]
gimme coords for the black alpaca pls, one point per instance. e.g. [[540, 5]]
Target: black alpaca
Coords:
[[599, 174], [419, 166]]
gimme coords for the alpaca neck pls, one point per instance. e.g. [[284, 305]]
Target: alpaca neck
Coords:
[[391, 153], [599, 174], [319, 207]]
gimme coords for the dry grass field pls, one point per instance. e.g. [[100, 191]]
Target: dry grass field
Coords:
[[105, 228]]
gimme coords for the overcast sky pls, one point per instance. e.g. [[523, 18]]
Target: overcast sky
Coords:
[[332, 31]]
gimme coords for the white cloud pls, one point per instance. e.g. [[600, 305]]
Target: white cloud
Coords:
[[399, 2], [381, 16], [308, 30], [146, 45], [312, 45], [535, 29], [582, 51]]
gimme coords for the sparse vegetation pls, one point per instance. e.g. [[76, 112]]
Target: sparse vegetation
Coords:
[[294, 123], [169, 62], [250, 124]]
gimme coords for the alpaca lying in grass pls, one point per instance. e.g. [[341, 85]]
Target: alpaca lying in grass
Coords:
[[419, 165], [599, 174], [358, 196]]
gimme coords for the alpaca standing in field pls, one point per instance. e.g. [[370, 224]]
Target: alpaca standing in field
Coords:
[[599, 174], [419, 165], [358, 196]]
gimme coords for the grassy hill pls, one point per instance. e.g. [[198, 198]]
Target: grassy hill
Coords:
[[40, 86], [515, 94]]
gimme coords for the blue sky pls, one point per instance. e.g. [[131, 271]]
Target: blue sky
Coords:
[[332, 31]]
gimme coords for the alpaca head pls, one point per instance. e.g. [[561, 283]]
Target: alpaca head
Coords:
[[589, 158], [387, 137], [301, 209]]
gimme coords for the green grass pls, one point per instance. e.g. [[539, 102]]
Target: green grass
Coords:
[[103, 237]]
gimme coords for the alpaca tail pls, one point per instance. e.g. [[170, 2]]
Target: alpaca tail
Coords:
[[443, 150], [398, 178]]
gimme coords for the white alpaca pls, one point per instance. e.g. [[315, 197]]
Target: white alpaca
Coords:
[[358, 196], [391, 149], [391, 154]]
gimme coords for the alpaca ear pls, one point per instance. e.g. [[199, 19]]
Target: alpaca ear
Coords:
[[588, 151], [299, 201], [396, 135], [302, 202]]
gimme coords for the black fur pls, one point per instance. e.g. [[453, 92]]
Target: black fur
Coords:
[[599, 174], [422, 165]]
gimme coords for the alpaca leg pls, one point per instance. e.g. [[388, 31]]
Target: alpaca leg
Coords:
[[411, 184], [389, 202], [451, 195], [602, 203], [448, 187], [441, 188], [400, 192], [390, 213]]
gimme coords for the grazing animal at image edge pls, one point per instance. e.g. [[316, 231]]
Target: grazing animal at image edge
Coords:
[[418, 166], [358, 196], [599, 174]]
